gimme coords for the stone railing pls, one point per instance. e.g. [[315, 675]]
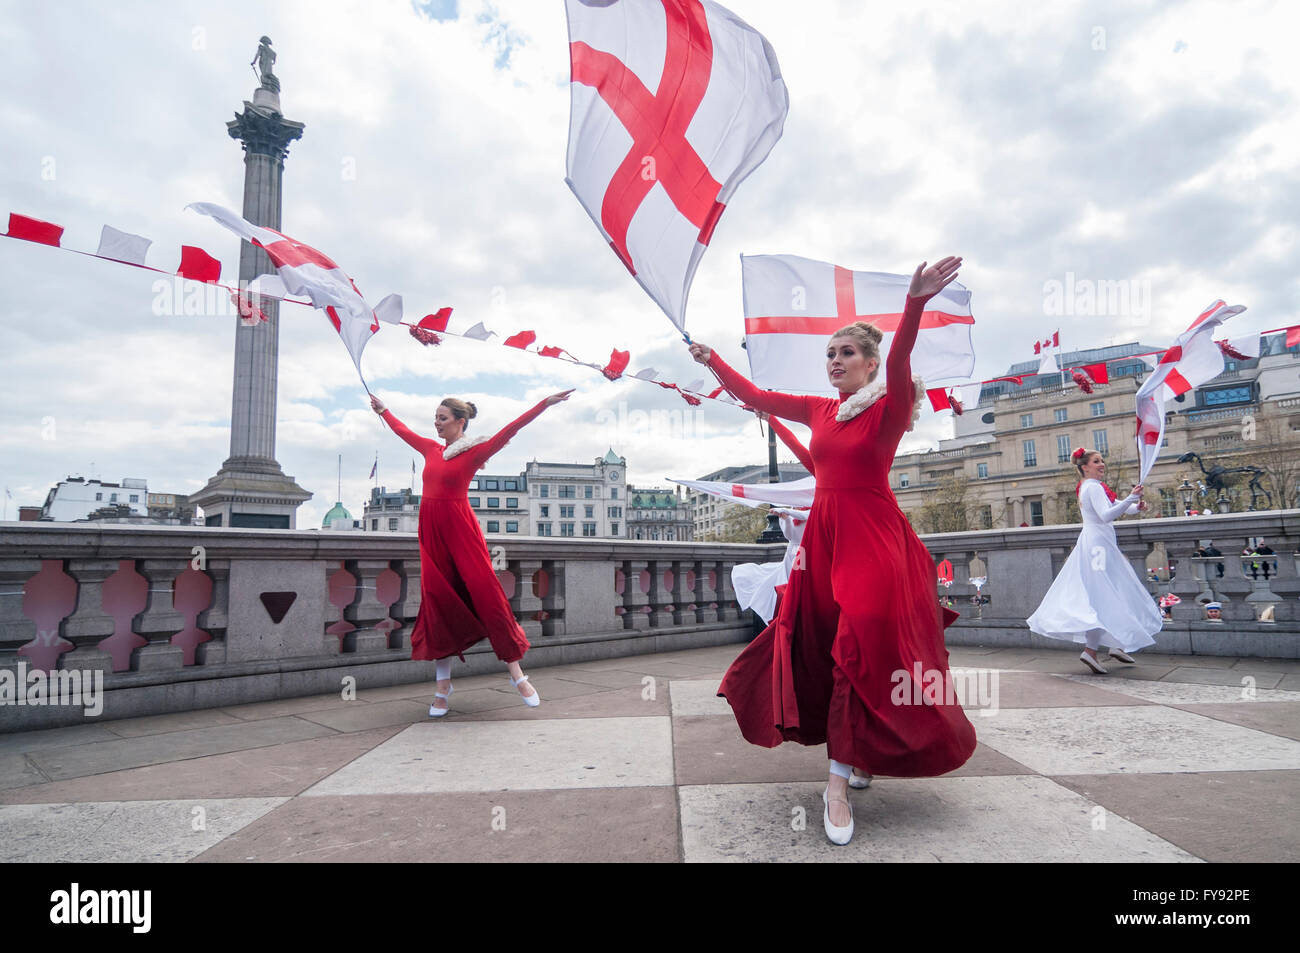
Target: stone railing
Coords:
[[176, 618], [1261, 611]]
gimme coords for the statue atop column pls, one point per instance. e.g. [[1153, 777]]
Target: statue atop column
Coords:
[[264, 59]]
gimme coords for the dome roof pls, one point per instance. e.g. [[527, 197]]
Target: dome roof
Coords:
[[338, 513]]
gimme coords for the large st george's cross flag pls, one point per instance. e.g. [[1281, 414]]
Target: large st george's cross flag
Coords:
[[672, 104]]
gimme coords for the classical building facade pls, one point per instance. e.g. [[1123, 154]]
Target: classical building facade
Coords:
[[397, 511], [500, 501], [576, 499], [659, 513], [1013, 450]]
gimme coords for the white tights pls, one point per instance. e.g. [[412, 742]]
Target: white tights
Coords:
[[840, 769], [443, 669]]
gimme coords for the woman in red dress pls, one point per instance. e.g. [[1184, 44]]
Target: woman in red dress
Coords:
[[839, 662], [461, 599]]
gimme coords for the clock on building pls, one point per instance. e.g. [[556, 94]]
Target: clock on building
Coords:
[[613, 474]]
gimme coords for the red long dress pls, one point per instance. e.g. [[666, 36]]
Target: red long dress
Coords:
[[461, 600], [863, 612]]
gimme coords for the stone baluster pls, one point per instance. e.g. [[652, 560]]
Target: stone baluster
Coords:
[[533, 583], [706, 590], [636, 594], [552, 594], [90, 624], [161, 619], [1287, 581], [1233, 589], [216, 619], [1191, 588], [728, 608], [407, 607], [367, 612]]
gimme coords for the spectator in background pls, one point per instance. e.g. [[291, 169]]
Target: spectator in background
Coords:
[[1213, 612], [1208, 551]]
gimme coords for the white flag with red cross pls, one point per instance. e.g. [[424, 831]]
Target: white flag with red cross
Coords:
[[672, 104], [1046, 350], [793, 305], [1194, 359], [305, 271]]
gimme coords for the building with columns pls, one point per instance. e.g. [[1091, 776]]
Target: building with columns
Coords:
[[578, 499], [659, 513], [1013, 450]]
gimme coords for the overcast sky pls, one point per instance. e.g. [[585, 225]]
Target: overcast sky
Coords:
[[1117, 141]]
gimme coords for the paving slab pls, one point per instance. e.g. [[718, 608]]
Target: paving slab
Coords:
[[17, 772], [179, 721], [615, 825], [104, 756], [123, 832], [274, 771], [1276, 718], [55, 737], [1041, 690], [698, 697], [1017, 819], [1215, 816], [1111, 740], [360, 717], [512, 755], [1187, 693], [1222, 676], [609, 703]]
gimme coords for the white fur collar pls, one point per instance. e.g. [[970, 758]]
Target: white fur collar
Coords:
[[868, 395], [461, 445]]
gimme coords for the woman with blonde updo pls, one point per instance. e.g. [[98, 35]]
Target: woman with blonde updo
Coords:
[[461, 599], [1097, 598], [858, 628]]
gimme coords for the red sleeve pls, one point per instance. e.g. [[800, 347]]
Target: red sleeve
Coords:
[[798, 409], [899, 397], [502, 437], [790, 440], [422, 444]]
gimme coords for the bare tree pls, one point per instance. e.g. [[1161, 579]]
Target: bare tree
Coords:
[[946, 509], [742, 524], [1272, 446]]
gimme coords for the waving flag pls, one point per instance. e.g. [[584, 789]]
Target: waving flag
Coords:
[[1194, 359], [305, 271], [793, 305], [672, 104], [790, 493]]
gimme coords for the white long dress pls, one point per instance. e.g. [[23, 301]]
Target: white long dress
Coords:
[[1097, 592]]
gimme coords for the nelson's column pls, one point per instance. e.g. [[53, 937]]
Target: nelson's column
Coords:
[[250, 489]]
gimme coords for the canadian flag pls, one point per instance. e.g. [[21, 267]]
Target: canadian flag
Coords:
[[305, 271], [1194, 359], [1047, 349], [672, 104], [793, 305]]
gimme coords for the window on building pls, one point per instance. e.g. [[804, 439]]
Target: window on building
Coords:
[[544, 491], [613, 493], [545, 510], [1026, 420], [1226, 395], [99, 497], [568, 492], [493, 526], [494, 502], [1062, 414], [1063, 449], [566, 529], [392, 524], [512, 502], [589, 511], [512, 526], [510, 484], [986, 517], [135, 498], [543, 529], [473, 485], [474, 500], [588, 529], [112, 498], [981, 470], [1097, 408], [1035, 512], [615, 512], [1168, 505], [491, 485], [613, 529], [1031, 454], [1100, 443], [904, 479], [566, 512], [586, 492], [374, 526]]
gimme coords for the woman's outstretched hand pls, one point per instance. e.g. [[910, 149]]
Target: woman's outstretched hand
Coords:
[[377, 404], [701, 353], [928, 282], [556, 398]]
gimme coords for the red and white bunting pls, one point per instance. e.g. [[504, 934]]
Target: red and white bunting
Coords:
[[793, 305], [672, 104]]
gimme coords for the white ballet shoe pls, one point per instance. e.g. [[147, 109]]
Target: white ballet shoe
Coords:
[[837, 835], [859, 781], [1123, 656], [435, 712], [533, 700], [1092, 663]]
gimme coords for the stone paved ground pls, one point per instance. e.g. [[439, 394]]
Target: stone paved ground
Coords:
[[1175, 759]]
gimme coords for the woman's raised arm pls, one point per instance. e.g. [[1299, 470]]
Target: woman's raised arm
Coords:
[[502, 437], [788, 406], [926, 283], [422, 444]]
